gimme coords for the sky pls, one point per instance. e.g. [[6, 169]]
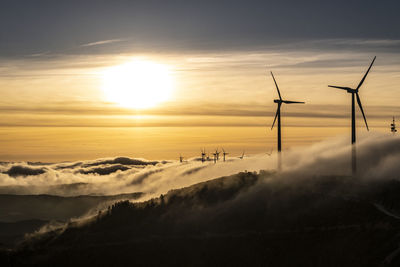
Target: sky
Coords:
[[53, 56]]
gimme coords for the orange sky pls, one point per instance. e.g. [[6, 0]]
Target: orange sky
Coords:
[[54, 109]]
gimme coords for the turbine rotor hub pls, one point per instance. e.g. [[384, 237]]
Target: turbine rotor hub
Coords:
[[351, 90]]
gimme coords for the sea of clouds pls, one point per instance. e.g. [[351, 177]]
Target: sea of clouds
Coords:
[[378, 157]]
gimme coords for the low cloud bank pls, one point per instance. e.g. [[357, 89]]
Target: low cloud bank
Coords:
[[122, 161], [17, 170], [377, 158], [105, 170]]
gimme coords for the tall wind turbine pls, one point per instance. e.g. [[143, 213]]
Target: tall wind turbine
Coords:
[[354, 92], [278, 115]]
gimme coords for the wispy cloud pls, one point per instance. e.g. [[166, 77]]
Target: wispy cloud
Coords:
[[103, 42], [40, 54], [232, 109]]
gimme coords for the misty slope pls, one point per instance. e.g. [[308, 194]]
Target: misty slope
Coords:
[[244, 219], [48, 207], [21, 214]]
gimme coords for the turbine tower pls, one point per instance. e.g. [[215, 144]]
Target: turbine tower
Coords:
[[278, 115], [224, 153], [354, 92], [393, 127]]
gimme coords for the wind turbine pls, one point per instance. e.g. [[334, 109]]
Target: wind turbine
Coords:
[[393, 127], [278, 115], [241, 157], [203, 155], [224, 153], [354, 92], [215, 157], [217, 153]]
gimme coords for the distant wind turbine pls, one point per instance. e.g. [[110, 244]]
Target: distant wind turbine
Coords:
[[242, 156], [215, 157], [393, 127], [278, 115], [354, 92], [224, 153], [203, 155], [217, 153]]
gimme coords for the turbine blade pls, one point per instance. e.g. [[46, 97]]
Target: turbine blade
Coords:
[[362, 111], [340, 87], [292, 102], [362, 80], [276, 115], [277, 88]]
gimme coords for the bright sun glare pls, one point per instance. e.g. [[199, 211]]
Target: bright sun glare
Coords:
[[138, 84]]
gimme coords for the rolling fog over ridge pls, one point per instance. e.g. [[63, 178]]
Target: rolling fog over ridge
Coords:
[[377, 155]]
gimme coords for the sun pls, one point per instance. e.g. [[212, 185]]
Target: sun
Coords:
[[137, 84]]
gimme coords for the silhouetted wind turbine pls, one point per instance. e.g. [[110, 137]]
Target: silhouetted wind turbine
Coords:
[[278, 115], [217, 153], [224, 153], [393, 127], [203, 155], [215, 157], [353, 115]]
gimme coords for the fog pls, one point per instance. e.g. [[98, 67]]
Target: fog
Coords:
[[377, 156]]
